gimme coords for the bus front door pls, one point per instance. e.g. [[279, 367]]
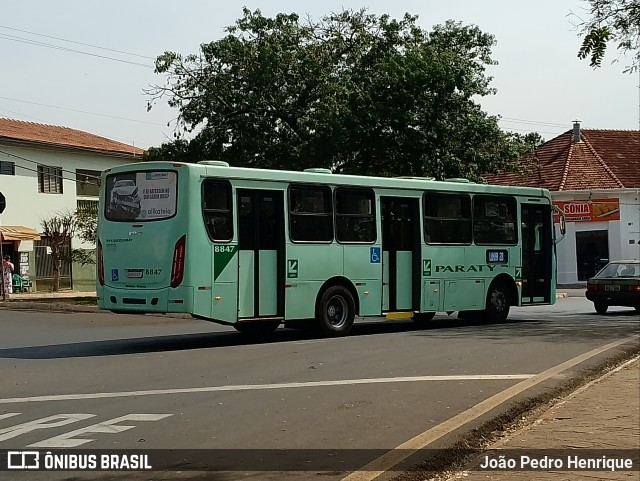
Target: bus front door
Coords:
[[537, 254], [401, 243], [261, 254]]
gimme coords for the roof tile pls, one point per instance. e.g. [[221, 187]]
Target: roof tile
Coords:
[[64, 137], [606, 159]]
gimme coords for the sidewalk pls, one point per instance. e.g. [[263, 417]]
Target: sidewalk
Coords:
[[570, 290], [600, 419], [49, 295]]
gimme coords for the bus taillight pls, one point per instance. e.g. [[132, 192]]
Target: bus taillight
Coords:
[[177, 268], [100, 265]]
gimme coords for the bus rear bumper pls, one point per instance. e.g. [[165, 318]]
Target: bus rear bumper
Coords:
[[178, 300]]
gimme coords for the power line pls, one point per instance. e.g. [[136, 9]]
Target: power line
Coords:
[[78, 43], [65, 49], [82, 111], [538, 131], [534, 122], [40, 163], [21, 114]]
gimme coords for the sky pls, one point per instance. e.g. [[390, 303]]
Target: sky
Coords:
[[84, 64]]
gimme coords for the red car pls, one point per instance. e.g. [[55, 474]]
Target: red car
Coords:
[[617, 284]]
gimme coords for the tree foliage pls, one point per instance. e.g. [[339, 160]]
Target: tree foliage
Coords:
[[611, 20], [354, 92], [59, 230], [86, 221]]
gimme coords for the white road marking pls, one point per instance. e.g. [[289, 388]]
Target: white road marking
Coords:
[[67, 440], [45, 423], [8, 415], [259, 387], [387, 461]]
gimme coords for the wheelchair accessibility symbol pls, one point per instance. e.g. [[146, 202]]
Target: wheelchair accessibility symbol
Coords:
[[374, 255], [114, 275]]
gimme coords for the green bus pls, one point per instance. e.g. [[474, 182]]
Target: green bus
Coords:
[[256, 248]]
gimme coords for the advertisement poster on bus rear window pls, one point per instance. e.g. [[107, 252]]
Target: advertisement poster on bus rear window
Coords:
[[138, 196]]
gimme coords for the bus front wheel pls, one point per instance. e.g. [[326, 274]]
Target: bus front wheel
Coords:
[[335, 311], [497, 308]]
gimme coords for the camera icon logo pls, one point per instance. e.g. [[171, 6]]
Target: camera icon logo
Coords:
[[23, 460]]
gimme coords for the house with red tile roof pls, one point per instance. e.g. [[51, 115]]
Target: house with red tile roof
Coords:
[[45, 170], [594, 176]]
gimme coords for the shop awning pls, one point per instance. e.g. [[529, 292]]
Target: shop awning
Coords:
[[18, 233]]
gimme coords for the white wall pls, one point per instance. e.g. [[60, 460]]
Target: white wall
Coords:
[[624, 235], [25, 205]]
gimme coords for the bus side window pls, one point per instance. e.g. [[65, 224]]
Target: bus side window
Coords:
[[216, 210], [447, 218], [355, 216], [310, 213], [494, 220]]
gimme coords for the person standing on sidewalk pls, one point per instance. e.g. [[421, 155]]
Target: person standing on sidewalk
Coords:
[[7, 274]]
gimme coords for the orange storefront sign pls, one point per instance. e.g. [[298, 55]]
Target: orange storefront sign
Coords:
[[594, 210]]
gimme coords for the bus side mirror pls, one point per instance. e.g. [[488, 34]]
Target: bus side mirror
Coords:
[[562, 223]]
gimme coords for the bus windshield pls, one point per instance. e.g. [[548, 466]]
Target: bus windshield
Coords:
[[141, 196]]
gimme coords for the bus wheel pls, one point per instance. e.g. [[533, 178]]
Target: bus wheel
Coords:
[[256, 329], [497, 309], [423, 318], [335, 311]]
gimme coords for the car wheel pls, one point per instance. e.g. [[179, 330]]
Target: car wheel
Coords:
[[600, 307], [335, 311], [497, 307]]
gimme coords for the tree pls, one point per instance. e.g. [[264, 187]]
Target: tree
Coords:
[[354, 92], [59, 230], [86, 222], [611, 20]]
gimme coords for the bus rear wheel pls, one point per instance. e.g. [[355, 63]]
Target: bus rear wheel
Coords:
[[335, 311], [497, 308], [256, 329]]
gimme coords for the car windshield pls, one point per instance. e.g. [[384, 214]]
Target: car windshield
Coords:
[[620, 270], [123, 183]]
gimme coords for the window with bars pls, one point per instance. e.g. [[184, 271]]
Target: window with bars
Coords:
[[7, 168], [49, 179], [87, 206], [87, 182]]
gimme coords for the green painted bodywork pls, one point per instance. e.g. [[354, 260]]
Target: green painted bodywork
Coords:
[[219, 280]]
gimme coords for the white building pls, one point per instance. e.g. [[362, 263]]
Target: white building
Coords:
[[45, 170], [594, 176]]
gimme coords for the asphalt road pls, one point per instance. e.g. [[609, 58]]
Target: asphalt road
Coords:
[[102, 381]]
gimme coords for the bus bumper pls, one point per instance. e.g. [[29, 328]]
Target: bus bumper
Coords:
[[177, 300]]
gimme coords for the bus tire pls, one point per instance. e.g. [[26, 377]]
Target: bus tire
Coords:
[[423, 318], [335, 311], [498, 304], [256, 329]]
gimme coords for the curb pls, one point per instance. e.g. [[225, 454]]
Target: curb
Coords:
[[561, 295], [52, 306], [47, 306]]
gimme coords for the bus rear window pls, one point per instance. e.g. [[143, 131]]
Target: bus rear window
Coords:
[[141, 196]]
